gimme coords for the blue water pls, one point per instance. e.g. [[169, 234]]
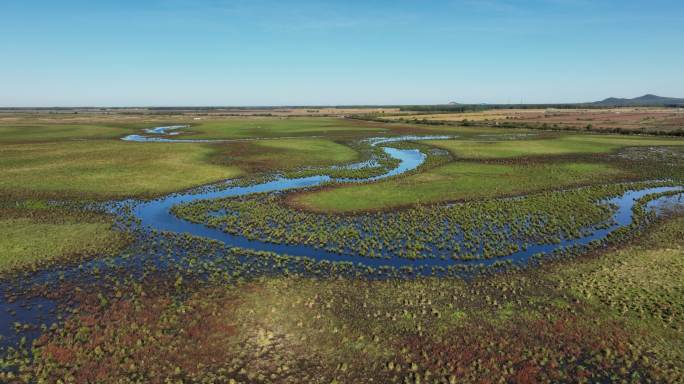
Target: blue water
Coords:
[[148, 139], [667, 204], [165, 130], [156, 215]]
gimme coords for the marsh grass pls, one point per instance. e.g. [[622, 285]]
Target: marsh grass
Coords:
[[465, 231], [282, 155], [524, 326], [174, 308], [34, 234], [643, 281], [268, 127], [568, 144]]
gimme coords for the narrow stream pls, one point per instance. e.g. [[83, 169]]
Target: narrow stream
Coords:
[[156, 214]]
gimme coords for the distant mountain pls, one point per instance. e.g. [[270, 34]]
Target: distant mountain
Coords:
[[643, 101]]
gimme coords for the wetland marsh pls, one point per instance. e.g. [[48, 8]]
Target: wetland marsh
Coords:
[[309, 249]]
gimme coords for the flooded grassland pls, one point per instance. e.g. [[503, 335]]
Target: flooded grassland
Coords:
[[367, 254]]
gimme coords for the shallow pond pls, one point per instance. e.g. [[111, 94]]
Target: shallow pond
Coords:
[[165, 130]]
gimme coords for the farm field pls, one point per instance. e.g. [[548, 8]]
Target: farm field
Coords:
[[301, 245], [626, 119]]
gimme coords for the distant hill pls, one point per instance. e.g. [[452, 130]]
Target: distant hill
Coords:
[[643, 101]]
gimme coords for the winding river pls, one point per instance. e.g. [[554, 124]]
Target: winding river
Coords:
[[157, 214]]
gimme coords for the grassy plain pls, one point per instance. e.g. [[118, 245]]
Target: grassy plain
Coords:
[[570, 144], [456, 181], [268, 127], [59, 132], [32, 234], [106, 169], [72, 156], [81, 157], [275, 155]]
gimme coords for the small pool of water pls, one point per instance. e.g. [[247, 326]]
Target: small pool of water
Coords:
[[667, 204], [165, 130], [149, 139]]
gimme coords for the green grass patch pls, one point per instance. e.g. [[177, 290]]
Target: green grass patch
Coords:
[[20, 247], [573, 144], [56, 132], [267, 127], [283, 154], [34, 234], [456, 181], [642, 281], [38, 129], [106, 169], [318, 151], [56, 157]]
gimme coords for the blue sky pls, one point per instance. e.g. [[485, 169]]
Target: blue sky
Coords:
[[266, 52]]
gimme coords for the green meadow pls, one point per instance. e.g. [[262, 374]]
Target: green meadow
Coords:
[[457, 181], [106, 169], [37, 132], [270, 127], [26, 243], [563, 145], [89, 161], [275, 155], [604, 310], [35, 233]]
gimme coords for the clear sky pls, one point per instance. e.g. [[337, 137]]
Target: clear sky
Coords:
[[269, 52]]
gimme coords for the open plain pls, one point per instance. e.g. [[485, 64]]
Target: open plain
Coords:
[[626, 119]]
